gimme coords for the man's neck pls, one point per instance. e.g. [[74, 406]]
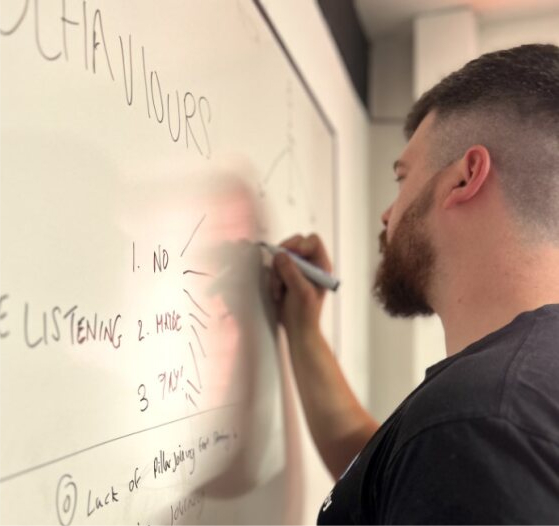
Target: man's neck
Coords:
[[472, 308]]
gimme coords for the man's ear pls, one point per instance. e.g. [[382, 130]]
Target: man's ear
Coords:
[[471, 173]]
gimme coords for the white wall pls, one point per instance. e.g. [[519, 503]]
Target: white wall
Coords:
[[500, 35], [442, 42]]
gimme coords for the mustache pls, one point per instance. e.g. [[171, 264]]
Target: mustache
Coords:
[[383, 242]]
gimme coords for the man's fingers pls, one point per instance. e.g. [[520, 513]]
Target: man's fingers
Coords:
[[316, 252], [293, 243], [292, 276], [311, 248]]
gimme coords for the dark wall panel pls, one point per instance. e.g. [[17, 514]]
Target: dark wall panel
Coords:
[[345, 27]]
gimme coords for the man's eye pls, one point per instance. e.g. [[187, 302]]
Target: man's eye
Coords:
[[399, 178]]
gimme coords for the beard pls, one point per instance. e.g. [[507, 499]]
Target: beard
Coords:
[[405, 273]]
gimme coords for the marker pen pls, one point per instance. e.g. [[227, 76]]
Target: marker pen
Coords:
[[312, 272]]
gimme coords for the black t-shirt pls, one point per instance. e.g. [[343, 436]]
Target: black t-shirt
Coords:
[[476, 442]]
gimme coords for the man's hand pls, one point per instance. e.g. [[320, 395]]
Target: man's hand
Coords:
[[338, 423], [299, 300]]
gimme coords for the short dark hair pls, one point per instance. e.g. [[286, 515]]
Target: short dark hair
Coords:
[[507, 101], [525, 79]]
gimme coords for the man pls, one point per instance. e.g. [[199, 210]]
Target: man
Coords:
[[473, 236]]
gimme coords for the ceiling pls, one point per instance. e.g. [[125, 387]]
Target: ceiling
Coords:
[[380, 17]]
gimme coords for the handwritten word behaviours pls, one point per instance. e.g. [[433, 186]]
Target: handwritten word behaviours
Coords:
[[79, 30]]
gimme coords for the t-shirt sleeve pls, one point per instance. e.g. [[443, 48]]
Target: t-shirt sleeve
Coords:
[[475, 471]]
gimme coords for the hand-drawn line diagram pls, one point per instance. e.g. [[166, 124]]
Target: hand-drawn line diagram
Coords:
[[285, 164], [198, 317]]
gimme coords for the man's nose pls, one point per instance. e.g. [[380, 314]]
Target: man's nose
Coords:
[[386, 216]]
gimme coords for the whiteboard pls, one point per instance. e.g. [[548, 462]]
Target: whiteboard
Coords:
[[145, 147]]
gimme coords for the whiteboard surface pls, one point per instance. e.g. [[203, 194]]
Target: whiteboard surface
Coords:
[[144, 148]]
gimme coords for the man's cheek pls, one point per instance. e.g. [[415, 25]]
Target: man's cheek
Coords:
[[393, 224]]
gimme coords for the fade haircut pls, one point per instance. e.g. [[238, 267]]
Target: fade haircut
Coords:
[[507, 101]]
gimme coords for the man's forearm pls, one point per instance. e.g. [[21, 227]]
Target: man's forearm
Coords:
[[338, 423]]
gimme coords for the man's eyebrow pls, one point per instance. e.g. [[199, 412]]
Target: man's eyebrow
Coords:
[[399, 164]]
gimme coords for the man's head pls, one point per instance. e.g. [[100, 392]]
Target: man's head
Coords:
[[483, 140]]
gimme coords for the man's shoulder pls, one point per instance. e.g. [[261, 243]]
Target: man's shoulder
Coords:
[[510, 374], [530, 397], [483, 470]]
